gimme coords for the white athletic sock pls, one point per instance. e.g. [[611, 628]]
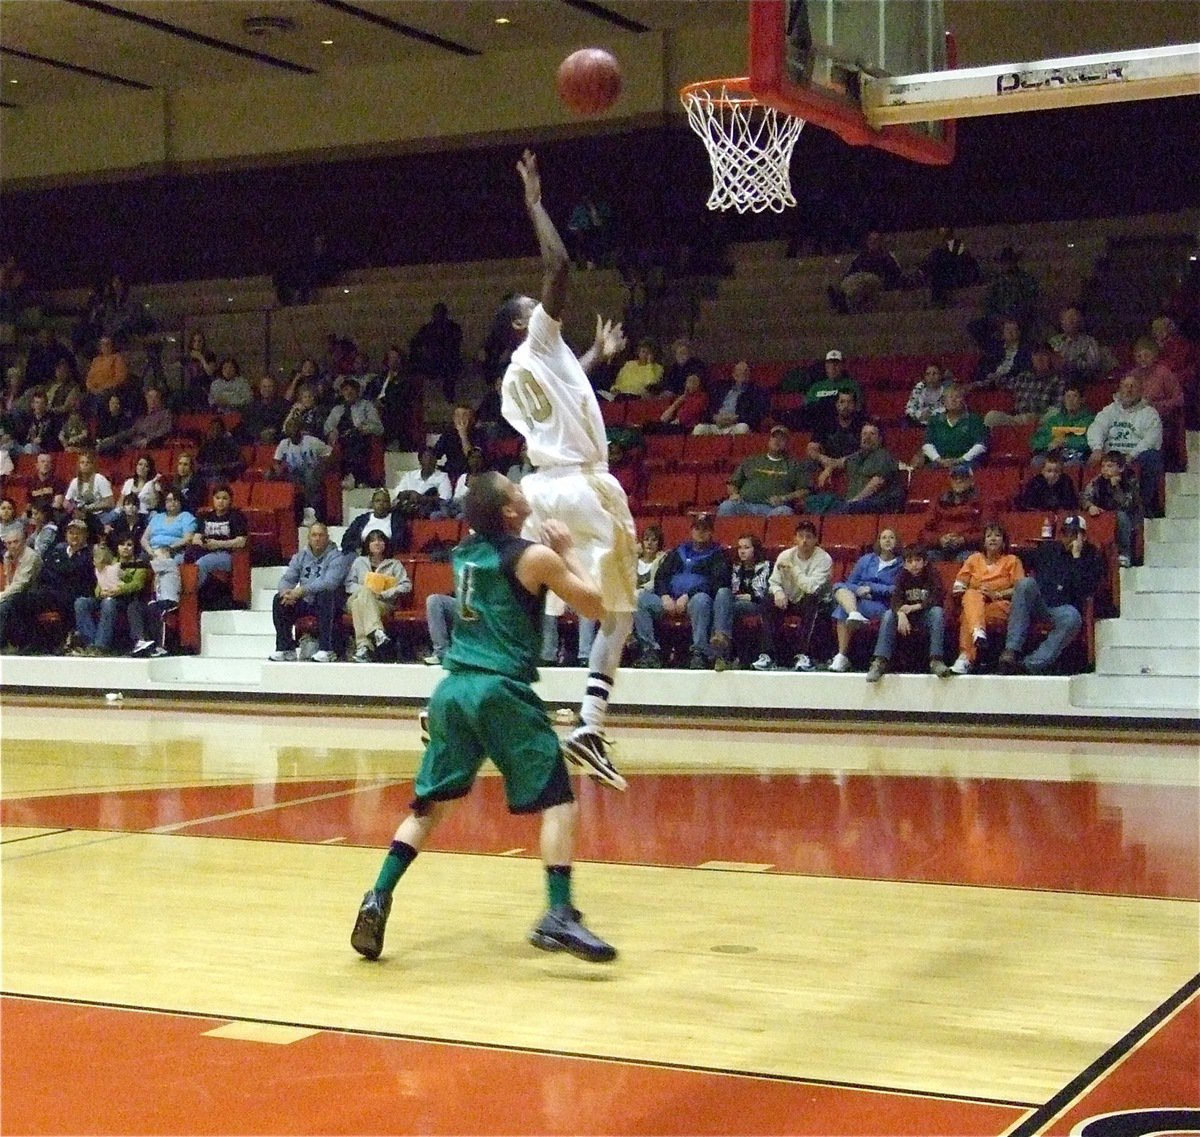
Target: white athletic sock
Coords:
[[603, 662]]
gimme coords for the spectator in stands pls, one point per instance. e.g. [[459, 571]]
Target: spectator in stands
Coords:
[[75, 435], [89, 490], [190, 484], [799, 583], [1133, 427], [304, 270], [589, 230], [380, 518], [435, 351], [1081, 358], [954, 527], [1066, 574], [837, 437], [1116, 489], [767, 484], [154, 425], [310, 585], [351, 425], [220, 531], [985, 584], [127, 521], [1014, 294], [19, 570], [229, 391], [949, 266], [650, 555], [1175, 352], [66, 575], [1064, 428], [687, 583], [928, 396], [36, 429], [740, 405], [439, 618], [8, 515], [476, 464], [118, 584], [751, 595], [262, 418], [45, 354], [684, 362], [307, 374], [1160, 386], [424, 491], [640, 376], [398, 395], [521, 466], [865, 594], [374, 585], [193, 376], [553, 653], [1008, 357], [219, 458], [687, 410], [114, 424], [873, 481], [170, 530], [916, 601], [305, 409], [820, 396], [871, 272], [301, 459], [453, 445], [121, 314], [44, 487], [63, 384], [108, 371], [1035, 392], [1049, 490], [955, 437]]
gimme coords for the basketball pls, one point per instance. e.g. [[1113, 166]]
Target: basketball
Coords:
[[589, 80]]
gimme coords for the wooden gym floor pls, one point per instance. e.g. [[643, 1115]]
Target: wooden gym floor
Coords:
[[833, 933]]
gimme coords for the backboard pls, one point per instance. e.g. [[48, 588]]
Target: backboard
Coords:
[[809, 58]]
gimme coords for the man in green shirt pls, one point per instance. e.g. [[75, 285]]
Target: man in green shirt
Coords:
[[873, 483], [770, 483], [954, 437], [485, 707]]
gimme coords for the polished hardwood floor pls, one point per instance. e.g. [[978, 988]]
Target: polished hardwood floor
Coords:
[[839, 932]]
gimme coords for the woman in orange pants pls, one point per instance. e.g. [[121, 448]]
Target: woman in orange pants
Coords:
[[985, 583]]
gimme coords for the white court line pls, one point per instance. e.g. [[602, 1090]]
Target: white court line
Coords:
[[175, 826]]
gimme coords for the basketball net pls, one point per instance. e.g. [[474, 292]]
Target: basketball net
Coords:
[[749, 145]]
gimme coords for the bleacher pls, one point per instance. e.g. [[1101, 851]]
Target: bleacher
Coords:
[[770, 310]]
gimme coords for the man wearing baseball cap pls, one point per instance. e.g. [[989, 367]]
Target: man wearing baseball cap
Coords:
[[1066, 573]]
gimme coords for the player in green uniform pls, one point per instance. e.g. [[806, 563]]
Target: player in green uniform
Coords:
[[486, 708]]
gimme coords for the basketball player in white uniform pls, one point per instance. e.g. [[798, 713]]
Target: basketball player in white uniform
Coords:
[[546, 396]]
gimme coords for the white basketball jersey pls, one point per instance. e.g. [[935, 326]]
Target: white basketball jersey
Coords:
[[545, 396]]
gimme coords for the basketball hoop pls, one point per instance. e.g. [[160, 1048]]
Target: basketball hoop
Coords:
[[749, 145]]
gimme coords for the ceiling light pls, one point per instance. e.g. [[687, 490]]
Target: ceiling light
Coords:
[[503, 20], [327, 43], [14, 80]]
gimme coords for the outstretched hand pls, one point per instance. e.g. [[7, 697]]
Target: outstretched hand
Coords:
[[557, 536], [527, 167], [610, 338]]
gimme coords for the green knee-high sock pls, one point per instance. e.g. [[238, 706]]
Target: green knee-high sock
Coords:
[[395, 864], [558, 884]]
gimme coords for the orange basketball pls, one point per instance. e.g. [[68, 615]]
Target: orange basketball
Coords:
[[589, 80]]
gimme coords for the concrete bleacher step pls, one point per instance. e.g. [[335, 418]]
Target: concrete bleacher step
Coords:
[[1128, 632], [1152, 693], [1147, 660], [1173, 554], [1158, 606], [1173, 530], [1149, 580]]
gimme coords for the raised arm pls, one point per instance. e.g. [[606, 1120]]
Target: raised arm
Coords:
[[556, 264], [556, 565], [609, 342]]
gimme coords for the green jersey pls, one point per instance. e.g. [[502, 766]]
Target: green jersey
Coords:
[[497, 620]]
